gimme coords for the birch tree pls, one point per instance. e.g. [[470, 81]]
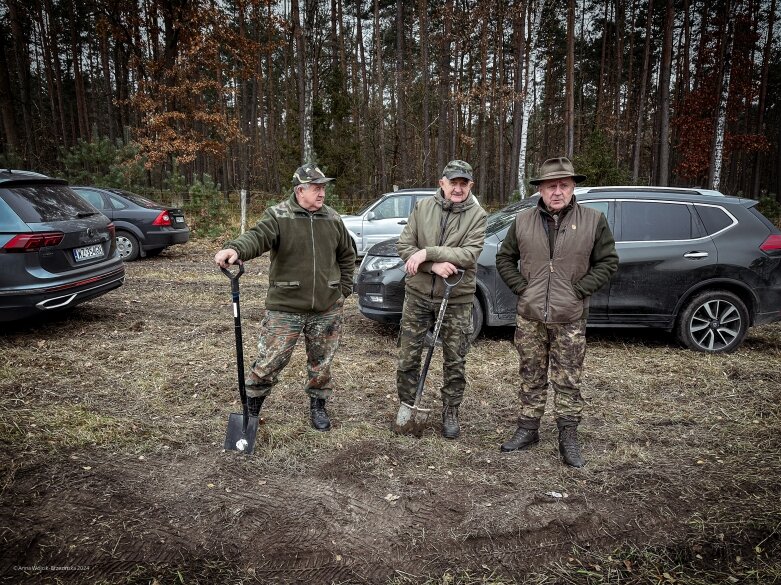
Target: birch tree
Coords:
[[717, 147]]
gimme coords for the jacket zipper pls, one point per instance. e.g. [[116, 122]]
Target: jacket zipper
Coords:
[[443, 226], [551, 269], [314, 260]]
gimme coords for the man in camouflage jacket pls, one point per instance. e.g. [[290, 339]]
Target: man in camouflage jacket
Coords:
[[555, 256], [312, 264], [444, 234]]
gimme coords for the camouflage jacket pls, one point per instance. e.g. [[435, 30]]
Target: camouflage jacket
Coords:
[[312, 256], [450, 233], [556, 287]]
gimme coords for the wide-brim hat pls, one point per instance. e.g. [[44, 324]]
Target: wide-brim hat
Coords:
[[310, 173], [557, 168]]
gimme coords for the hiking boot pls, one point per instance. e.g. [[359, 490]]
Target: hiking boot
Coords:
[[254, 403], [568, 442], [450, 427], [521, 439], [319, 416]]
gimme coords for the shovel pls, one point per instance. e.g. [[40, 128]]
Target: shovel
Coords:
[[242, 428], [412, 419]]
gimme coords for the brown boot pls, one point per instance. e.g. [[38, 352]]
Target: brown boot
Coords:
[[568, 441]]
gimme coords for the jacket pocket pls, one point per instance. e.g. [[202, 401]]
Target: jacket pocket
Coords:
[[286, 284], [565, 304], [334, 283]]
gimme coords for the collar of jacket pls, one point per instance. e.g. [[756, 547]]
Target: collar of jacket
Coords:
[[296, 208], [562, 213], [454, 207]]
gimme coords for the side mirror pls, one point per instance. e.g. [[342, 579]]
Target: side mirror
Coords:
[[370, 216]]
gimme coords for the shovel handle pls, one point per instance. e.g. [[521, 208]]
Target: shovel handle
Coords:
[[234, 275]]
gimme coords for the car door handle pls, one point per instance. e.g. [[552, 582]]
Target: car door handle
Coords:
[[696, 255], [403, 222]]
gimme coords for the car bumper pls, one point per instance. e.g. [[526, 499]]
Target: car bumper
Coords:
[[381, 315], [163, 239], [20, 304]]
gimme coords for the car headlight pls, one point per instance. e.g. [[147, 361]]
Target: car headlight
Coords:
[[382, 263]]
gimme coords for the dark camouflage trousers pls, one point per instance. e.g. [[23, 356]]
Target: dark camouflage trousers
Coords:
[[550, 352], [279, 332], [417, 318]]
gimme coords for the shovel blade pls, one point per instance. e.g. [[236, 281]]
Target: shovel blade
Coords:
[[236, 439], [411, 420]]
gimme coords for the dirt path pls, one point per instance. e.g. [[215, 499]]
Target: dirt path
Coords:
[[112, 469]]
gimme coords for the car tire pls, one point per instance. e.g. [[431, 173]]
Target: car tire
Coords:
[[127, 244], [713, 322], [477, 319]]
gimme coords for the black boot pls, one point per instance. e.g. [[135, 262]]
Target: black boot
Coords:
[[450, 426], [525, 436], [320, 420], [254, 403], [568, 442]]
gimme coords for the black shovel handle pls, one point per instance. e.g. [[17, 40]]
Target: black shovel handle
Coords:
[[449, 286], [234, 278]]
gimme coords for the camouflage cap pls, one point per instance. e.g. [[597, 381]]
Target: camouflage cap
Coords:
[[309, 173], [458, 169]]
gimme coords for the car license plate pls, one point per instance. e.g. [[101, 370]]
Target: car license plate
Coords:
[[178, 219], [88, 252]]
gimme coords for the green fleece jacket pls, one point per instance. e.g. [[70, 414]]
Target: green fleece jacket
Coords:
[[312, 256], [449, 232]]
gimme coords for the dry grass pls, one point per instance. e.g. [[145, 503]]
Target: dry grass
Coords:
[[690, 442]]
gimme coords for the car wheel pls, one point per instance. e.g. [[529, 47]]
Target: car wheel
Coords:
[[127, 244], [477, 319], [714, 322]]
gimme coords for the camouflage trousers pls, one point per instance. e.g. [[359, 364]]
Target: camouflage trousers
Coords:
[[418, 316], [279, 333], [550, 352]]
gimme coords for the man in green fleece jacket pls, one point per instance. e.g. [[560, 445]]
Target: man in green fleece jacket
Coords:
[[555, 256], [444, 234], [312, 264]]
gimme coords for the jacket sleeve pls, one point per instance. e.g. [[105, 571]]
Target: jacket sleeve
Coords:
[[507, 259], [258, 240], [464, 255], [603, 261], [345, 256], [408, 242]]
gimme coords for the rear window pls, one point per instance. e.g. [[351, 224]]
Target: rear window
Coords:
[[648, 221], [137, 199], [714, 218], [45, 203]]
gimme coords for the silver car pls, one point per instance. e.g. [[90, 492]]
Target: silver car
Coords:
[[384, 218]]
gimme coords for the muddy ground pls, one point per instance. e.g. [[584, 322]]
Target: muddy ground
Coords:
[[112, 468]]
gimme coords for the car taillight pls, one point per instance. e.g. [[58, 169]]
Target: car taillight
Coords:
[[27, 242], [771, 244], [162, 219]]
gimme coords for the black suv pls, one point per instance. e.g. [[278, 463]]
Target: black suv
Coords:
[[692, 261], [56, 250]]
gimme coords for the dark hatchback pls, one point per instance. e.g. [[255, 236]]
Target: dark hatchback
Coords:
[[144, 228], [56, 251], [692, 261]]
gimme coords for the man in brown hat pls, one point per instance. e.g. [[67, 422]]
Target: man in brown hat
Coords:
[[311, 273], [555, 256]]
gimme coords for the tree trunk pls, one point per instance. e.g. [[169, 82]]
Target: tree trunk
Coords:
[[569, 148], [378, 100], [771, 20], [717, 146], [602, 66], [663, 173], [641, 97], [304, 85], [402, 172], [519, 34], [445, 121], [7, 97], [428, 170], [528, 100]]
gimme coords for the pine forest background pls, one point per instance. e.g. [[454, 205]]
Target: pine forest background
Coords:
[[229, 94]]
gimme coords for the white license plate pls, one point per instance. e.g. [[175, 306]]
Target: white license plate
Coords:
[[88, 252], [179, 219]]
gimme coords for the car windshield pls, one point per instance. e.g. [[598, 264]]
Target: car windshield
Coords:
[[502, 219]]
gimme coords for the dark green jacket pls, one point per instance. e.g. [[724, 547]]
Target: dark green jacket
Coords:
[[312, 256], [450, 233], [555, 286]]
